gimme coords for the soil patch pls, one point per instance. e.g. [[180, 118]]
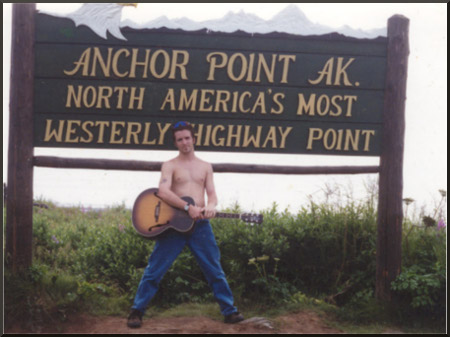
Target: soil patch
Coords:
[[301, 322]]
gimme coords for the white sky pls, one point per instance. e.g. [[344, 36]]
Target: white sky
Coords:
[[425, 163]]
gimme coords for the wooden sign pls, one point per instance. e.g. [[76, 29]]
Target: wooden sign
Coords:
[[276, 93], [244, 92]]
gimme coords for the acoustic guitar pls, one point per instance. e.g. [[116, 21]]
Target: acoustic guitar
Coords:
[[152, 216]]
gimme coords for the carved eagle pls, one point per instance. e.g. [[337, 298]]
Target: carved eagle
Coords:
[[101, 18]]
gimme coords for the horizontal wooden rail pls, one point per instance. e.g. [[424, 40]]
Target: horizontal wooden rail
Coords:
[[135, 165]]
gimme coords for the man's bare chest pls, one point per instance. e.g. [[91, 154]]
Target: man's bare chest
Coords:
[[189, 175]]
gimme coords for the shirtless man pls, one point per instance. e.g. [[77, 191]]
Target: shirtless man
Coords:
[[186, 175]]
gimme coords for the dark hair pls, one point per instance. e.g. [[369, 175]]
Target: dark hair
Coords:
[[182, 126]]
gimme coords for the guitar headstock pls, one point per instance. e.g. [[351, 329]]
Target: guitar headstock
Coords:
[[252, 218]]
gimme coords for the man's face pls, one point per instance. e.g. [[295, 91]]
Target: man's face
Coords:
[[184, 141]]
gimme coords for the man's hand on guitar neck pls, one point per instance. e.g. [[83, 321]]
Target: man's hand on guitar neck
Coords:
[[209, 211], [196, 212]]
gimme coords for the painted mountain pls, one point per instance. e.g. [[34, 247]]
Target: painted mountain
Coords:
[[290, 20]]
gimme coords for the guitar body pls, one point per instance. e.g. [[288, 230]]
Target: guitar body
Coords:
[[152, 216]]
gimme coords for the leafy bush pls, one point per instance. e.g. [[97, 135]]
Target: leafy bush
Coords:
[[99, 245], [321, 250], [421, 286]]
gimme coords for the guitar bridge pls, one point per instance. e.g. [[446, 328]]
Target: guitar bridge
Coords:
[[158, 226]]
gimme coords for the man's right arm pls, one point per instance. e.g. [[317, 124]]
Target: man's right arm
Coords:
[[165, 184]]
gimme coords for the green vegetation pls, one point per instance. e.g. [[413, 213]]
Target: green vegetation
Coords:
[[322, 258]]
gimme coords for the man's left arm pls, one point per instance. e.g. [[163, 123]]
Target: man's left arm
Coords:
[[210, 209]]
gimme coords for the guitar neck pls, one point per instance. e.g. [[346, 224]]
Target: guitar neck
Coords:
[[250, 218], [228, 215]]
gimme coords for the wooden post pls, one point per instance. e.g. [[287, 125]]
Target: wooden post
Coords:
[[19, 204], [390, 212]]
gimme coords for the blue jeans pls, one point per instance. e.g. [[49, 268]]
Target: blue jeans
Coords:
[[204, 247]]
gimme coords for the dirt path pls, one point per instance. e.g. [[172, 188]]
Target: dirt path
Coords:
[[302, 322]]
